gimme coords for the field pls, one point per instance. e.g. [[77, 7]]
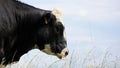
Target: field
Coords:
[[89, 61], [75, 60]]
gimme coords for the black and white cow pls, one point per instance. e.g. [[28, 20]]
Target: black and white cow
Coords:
[[23, 26]]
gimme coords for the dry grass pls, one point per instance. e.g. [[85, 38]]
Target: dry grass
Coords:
[[89, 61]]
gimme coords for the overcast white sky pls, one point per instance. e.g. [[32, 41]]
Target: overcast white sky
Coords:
[[89, 23]]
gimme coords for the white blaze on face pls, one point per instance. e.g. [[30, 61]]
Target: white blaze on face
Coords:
[[58, 14], [64, 35]]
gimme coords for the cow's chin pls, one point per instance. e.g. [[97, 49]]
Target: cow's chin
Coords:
[[61, 55]]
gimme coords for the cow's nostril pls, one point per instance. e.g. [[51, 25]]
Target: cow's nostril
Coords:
[[66, 53]]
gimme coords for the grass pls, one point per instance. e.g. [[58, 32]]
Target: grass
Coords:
[[89, 61], [75, 60]]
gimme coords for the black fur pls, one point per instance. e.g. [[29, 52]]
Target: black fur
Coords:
[[22, 26]]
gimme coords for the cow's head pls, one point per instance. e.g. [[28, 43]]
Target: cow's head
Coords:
[[50, 36]]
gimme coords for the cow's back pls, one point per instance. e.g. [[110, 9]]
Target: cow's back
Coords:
[[7, 18]]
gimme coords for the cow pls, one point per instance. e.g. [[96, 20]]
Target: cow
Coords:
[[22, 27]]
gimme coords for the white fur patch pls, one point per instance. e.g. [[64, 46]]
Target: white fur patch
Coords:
[[58, 14], [47, 49], [59, 55]]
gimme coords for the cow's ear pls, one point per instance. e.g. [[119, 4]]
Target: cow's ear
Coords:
[[47, 18], [46, 21]]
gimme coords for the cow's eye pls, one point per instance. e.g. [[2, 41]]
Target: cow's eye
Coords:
[[57, 29]]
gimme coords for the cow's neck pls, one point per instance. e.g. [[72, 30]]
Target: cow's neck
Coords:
[[26, 11], [28, 17]]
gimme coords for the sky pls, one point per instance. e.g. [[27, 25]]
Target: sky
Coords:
[[89, 24]]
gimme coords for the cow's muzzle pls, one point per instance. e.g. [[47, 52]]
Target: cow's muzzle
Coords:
[[63, 53]]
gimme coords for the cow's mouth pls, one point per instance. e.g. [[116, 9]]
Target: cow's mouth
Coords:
[[61, 55]]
